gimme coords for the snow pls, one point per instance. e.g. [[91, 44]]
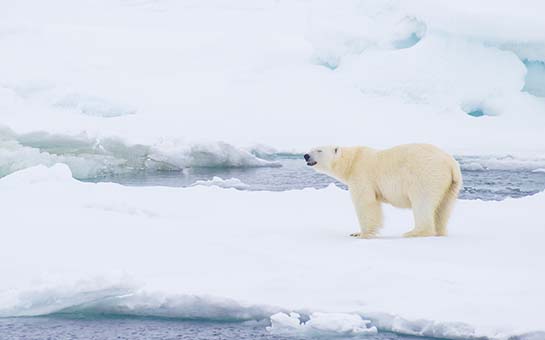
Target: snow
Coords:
[[156, 72], [223, 254]]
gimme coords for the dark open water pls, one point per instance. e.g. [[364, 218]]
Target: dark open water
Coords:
[[67, 328], [479, 182]]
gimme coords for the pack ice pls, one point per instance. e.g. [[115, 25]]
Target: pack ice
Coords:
[[465, 76], [223, 254], [110, 87]]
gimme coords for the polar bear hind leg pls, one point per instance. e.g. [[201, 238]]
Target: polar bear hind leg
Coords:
[[442, 213], [424, 218]]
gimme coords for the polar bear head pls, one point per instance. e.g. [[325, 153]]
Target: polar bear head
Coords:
[[334, 161], [323, 158]]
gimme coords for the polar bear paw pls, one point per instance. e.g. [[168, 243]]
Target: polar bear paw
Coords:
[[366, 235], [419, 233]]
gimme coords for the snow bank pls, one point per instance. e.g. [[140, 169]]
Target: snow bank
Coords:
[[89, 156], [371, 72], [205, 252], [95, 297]]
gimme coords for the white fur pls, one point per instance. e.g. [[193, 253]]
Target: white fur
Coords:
[[417, 176]]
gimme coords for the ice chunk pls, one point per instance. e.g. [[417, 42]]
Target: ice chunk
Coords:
[[223, 183], [282, 322], [321, 324], [474, 166], [210, 155]]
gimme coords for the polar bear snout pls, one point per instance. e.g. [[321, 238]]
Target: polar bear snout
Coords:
[[310, 161]]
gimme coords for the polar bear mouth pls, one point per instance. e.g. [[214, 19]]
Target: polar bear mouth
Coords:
[[311, 163]]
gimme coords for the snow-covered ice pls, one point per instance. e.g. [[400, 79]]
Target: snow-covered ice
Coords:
[[503, 162], [207, 252], [90, 157], [378, 73]]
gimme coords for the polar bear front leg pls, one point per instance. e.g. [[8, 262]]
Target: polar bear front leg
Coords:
[[369, 212]]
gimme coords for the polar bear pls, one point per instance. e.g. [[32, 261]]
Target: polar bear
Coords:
[[417, 176]]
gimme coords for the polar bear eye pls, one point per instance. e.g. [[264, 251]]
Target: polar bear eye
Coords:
[[318, 150], [336, 150]]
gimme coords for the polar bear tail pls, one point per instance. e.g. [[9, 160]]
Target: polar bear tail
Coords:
[[443, 210]]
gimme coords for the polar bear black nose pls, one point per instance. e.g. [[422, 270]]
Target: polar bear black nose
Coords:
[[307, 157]]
